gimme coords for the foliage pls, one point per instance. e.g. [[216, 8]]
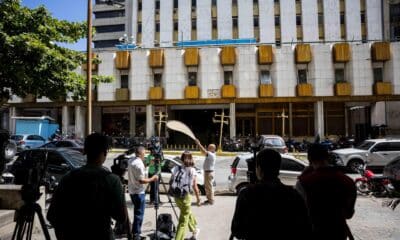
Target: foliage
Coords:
[[30, 60]]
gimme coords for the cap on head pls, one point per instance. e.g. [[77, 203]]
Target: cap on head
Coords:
[[268, 161]]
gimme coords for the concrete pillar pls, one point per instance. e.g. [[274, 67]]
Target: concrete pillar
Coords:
[[232, 118], [378, 113], [96, 119], [319, 119], [346, 121], [80, 123], [132, 121], [290, 120], [64, 119], [13, 113], [149, 121]]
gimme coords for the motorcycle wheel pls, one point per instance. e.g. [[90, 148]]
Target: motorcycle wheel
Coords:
[[362, 186]]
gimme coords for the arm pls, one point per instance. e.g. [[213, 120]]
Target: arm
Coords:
[[202, 148], [149, 180]]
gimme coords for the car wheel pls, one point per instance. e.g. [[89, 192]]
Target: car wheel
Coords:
[[10, 150], [355, 165], [240, 187], [201, 189]]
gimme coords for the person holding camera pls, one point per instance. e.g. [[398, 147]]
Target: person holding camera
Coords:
[[88, 197], [136, 188], [154, 162], [208, 167], [182, 184]]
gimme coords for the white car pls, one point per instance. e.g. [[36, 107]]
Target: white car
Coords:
[[375, 153], [291, 168]]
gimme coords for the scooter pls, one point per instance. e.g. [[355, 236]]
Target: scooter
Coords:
[[369, 183]]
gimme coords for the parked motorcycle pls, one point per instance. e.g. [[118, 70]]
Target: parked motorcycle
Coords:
[[345, 142], [369, 183]]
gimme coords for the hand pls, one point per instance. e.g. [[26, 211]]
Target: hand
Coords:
[[197, 141], [155, 178]]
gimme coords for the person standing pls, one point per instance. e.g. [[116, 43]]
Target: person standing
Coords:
[[136, 189], [269, 209], [330, 196], [184, 179], [88, 197], [208, 167]]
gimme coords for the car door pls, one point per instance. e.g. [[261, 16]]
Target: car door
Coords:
[[290, 170], [378, 154], [57, 166]]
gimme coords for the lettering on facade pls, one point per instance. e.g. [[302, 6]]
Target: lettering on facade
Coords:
[[213, 93]]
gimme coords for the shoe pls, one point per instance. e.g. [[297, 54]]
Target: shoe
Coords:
[[207, 203], [195, 234]]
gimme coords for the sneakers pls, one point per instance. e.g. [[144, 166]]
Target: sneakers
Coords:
[[195, 234]]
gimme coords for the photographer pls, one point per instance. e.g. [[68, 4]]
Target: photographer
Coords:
[[154, 161]]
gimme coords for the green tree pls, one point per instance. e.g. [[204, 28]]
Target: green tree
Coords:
[[31, 62]]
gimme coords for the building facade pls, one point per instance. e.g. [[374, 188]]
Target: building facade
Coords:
[[332, 67]]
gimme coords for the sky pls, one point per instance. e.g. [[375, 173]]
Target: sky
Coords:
[[71, 10]]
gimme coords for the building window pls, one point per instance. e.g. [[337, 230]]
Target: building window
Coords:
[[362, 17], [255, 21], [139, 28], [228, 77], [139, 5], [157, 27], [298, 20], [277, 20], [214, 2], [342, 18], [194, 24], [234, 2], [192, 78], [214, 23], [302, 76], [235, 22], [378, 74], [193, 3], [339, 75], [157, 4], [176, 4], [124, 81], [105, 43], [176, 26], [110, 28], [157, 79], [265, 77], [109, 14]]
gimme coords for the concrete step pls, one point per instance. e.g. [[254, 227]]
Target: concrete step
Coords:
[[6, 231], [6, 217]]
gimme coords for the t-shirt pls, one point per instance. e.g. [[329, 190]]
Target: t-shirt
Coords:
[[136, 172], [209, 162], [85, 201]]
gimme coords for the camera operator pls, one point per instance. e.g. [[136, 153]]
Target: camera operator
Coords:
[[154, 161]]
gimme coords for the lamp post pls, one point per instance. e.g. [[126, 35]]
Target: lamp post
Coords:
[[89, 70]]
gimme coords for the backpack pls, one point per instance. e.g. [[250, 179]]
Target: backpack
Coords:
[[165, 226], [180, 184]]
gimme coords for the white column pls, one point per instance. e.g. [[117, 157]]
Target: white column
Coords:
[[80, 123], [331, 20], [166, 23], [288, 21], [267, 21], [132, 121], [245, 15], [232, 120], [290, 119], [319, 119], [309, 15], [131, 18], [204, 20], [149, 121], [64, 119], [148, 23], [353, 20], [373, 19], [13, 113], [224, 19], [185, 20], [378, 113]]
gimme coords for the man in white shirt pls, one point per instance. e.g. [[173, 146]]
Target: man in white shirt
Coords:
[[208, 167], [136, 188]]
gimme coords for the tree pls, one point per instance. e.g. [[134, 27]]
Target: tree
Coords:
[[30, 60]]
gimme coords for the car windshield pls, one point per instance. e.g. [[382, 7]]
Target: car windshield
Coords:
[[365, 145], [275, 142], [17, 137], [77, 159]]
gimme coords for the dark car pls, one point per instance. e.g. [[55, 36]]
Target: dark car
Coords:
[[59, 162], [72, 144], [274, 142]]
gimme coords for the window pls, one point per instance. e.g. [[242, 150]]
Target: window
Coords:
[[194, 24], [124, 81], [255, 21], [302, 76], [339, 75], [291, 165], [214, 2], [157, 79], [176, 26], [157, 27], [110, 28], [362, 17], [234, 2], [35, 138], [298, 20], [265, 77], [139, 5], [214, 23], [394, 146], [321, 19], [193, 79], [378, 74], [105, 43], [228, 77], [157, 4], [139, 28], [110, 14], [193, 3], [342, 18], [277, 20], [176, 4], [55, 160], [235, 22], [380, 147]]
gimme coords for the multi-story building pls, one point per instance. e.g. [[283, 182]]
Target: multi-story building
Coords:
[[331, 66]]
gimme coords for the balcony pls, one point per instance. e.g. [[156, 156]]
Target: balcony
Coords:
[[156, 93], [192, 92], [123, 60], [228, 91], [265, 55], [341, 52], [343, 89], [383, 88], [380, 51], [122, 94], [266, 90], [303, 53], [228, 56], [304, 90], [156, 58], [191, 57]]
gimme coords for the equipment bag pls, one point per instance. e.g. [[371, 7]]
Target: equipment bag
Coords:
[[166, 226], [180, 184]]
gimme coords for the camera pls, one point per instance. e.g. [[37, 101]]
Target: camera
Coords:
[[251, 163]]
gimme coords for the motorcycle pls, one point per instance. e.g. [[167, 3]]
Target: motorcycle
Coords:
[[369, 183]]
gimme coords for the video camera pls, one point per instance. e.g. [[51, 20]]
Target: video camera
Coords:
[[155, 146], [251, 163]]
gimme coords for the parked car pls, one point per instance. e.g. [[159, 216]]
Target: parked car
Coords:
[[291, 168], [375, 153], [68, 143], [27, 141], [273, 142], [59, 162], [392, 171]]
